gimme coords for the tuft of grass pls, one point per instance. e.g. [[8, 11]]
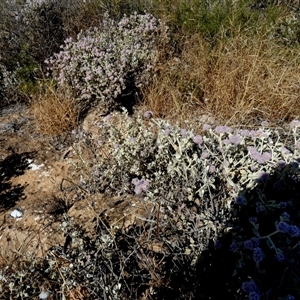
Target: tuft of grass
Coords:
[[240, 80], [55, 113], [176, 90]]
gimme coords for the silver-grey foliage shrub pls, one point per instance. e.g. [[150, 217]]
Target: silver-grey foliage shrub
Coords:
[[194, 181], [163, 162], [103, 61]]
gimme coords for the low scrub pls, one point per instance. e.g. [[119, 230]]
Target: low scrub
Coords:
[[225, 179], [220, 203], [107, 61], [220, 206]]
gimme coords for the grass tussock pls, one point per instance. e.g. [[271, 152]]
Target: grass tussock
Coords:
[[240, 80], [54, 113]]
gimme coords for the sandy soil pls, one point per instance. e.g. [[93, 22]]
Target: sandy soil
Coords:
[[35, 177]]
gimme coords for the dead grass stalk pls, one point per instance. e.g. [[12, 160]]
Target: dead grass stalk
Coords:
[[54, 113]]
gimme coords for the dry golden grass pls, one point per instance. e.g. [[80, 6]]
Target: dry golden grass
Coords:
[[253, 78], [239, 81], [175, 92], [54, 113]]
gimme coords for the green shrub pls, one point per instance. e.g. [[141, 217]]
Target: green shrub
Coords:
[[8, 86]]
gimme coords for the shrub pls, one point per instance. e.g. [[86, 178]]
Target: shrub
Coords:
[[45, 25], [259, 254], [211, 18], [114, 263], [104, 61], [174, 165], [31, 31], [220, 179], [197, 191], [269, 233], [189, 164], [9, 48], [10, 34], [8, 86]]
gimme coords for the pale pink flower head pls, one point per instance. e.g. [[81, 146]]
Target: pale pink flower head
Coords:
[[235, 139], [260, 158], [295, 123], [184, 133], [197, 139], [141, 185], [148, 114], [223, 129], [206, 127], [264, 123]]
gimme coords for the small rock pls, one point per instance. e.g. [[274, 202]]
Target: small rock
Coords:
[[17, 213], [44, 295]]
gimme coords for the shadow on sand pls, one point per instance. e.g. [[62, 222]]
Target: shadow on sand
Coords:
[[12, 166]]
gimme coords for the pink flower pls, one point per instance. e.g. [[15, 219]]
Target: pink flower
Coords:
[[198, 139], [148, 114], [235, 139], [206, 127], [183, 133], [295, 123], [223, 129], [260, 158], [140, 185]]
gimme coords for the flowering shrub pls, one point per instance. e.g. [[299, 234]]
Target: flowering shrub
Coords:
[[191, 165], [102, 62], [224, 175], [163, 161], [243, 209]]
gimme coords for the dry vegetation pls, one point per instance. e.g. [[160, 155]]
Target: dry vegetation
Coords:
[[55, 113], [234, 63], [241, 81]]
